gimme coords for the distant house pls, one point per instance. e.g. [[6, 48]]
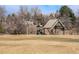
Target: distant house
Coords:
[[30, 27], [54, 26]]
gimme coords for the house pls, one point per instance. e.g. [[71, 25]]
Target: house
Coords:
[[54, 26], [30, 27]]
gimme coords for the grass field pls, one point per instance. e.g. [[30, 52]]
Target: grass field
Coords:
[[43, 44]]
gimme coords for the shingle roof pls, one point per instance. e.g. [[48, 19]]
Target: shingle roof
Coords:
[[52, 23]]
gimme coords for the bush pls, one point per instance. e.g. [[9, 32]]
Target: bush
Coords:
[[1, 29]]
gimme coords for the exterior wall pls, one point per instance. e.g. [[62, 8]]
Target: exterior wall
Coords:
[[53, 32], [31, 29], [46, 32], [70, 32], [59, 32]]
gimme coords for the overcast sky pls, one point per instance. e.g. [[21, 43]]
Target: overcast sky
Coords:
[[46, 9]]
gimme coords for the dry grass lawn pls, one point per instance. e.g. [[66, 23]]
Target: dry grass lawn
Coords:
[[22, 44]]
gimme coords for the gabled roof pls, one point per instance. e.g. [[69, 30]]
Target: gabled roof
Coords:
[[52, 22]]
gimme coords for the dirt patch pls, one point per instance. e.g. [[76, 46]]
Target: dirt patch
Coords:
[[37, 44]]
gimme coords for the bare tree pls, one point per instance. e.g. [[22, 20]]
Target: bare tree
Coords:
[[11, 23], [51, 16], [23, 17], [46, 18], [2, 11], [24, 12], [37, 16]]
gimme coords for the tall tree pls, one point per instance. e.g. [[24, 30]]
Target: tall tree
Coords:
[[11, 24], [36, 15], [67, 12], [2, 17], [2, 11], [24, 12], [51, 16]]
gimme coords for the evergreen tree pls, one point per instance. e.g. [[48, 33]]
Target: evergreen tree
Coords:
[[67, 12]]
